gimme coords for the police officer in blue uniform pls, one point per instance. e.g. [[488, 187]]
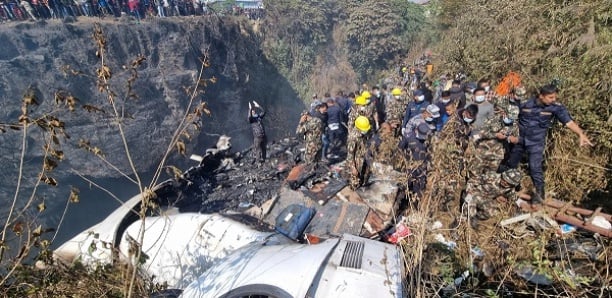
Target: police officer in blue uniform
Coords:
[[415, 107], [535, 118], [416, 145]]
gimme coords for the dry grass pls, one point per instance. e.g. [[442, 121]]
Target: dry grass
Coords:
[[548, 40], [75, 281], [432, 267]]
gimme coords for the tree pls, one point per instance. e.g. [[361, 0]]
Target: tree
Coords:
[[377, 31]]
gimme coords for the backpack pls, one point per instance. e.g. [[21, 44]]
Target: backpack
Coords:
[[293, 220]]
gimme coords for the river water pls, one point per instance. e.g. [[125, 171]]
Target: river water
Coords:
[[93, 206], [70, 218]]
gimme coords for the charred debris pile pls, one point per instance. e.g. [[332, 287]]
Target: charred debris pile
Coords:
[[236, 184]]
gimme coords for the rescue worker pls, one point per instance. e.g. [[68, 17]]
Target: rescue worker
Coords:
[[320, 111], [344, 103], [519, 94], [508, 108], [362, 107], [416, 146], [429, 117], [378, 100], [459, 127], [535, 118], [442, 103], [415, 107], [383, 146], [357, 148], [255, 118], [516, 96], [484, 198], [458, 94], [449, 152], [395, 110], [449, 109], [444, 99], [402, 70], [335, 128], [485, 83], [487, 150], [489, 144], [311, 128], [509, 133], [425, 87]]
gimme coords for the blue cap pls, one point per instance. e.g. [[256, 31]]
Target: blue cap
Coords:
[[417, 92], [422, 131]]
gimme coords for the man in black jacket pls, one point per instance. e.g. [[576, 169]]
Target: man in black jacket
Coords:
[[336, 131], [256, 114]]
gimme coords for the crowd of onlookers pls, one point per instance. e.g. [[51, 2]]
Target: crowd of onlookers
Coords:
[[23, 10]]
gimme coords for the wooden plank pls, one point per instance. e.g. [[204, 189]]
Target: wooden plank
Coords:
[[558, 204], [581, 224]]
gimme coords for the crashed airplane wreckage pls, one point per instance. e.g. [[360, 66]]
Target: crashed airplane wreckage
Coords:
[[230, 228]]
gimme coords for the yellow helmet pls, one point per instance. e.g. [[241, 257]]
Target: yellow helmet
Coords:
[[366, 94], [363, 124], [396, 92], [360, 100]]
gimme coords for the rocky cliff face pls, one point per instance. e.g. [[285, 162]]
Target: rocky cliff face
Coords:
[[33, 54]]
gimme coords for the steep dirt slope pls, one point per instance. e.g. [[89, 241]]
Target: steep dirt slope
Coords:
[[33, 54]]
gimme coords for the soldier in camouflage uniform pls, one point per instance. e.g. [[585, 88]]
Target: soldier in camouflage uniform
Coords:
[[396, 107], [490, 145], [312, 129], [504, 128], [357, 149], [482, 197], [448, 173], [488, 149], [362, 107], [517, 94]]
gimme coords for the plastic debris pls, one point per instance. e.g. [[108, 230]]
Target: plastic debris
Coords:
[[477, 252], [448, 290], [436, 225], [461, 278], [567, 228], [449, 244], [601, 222], [530, 274], [590, 249], [401, 232], [245, 205]]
